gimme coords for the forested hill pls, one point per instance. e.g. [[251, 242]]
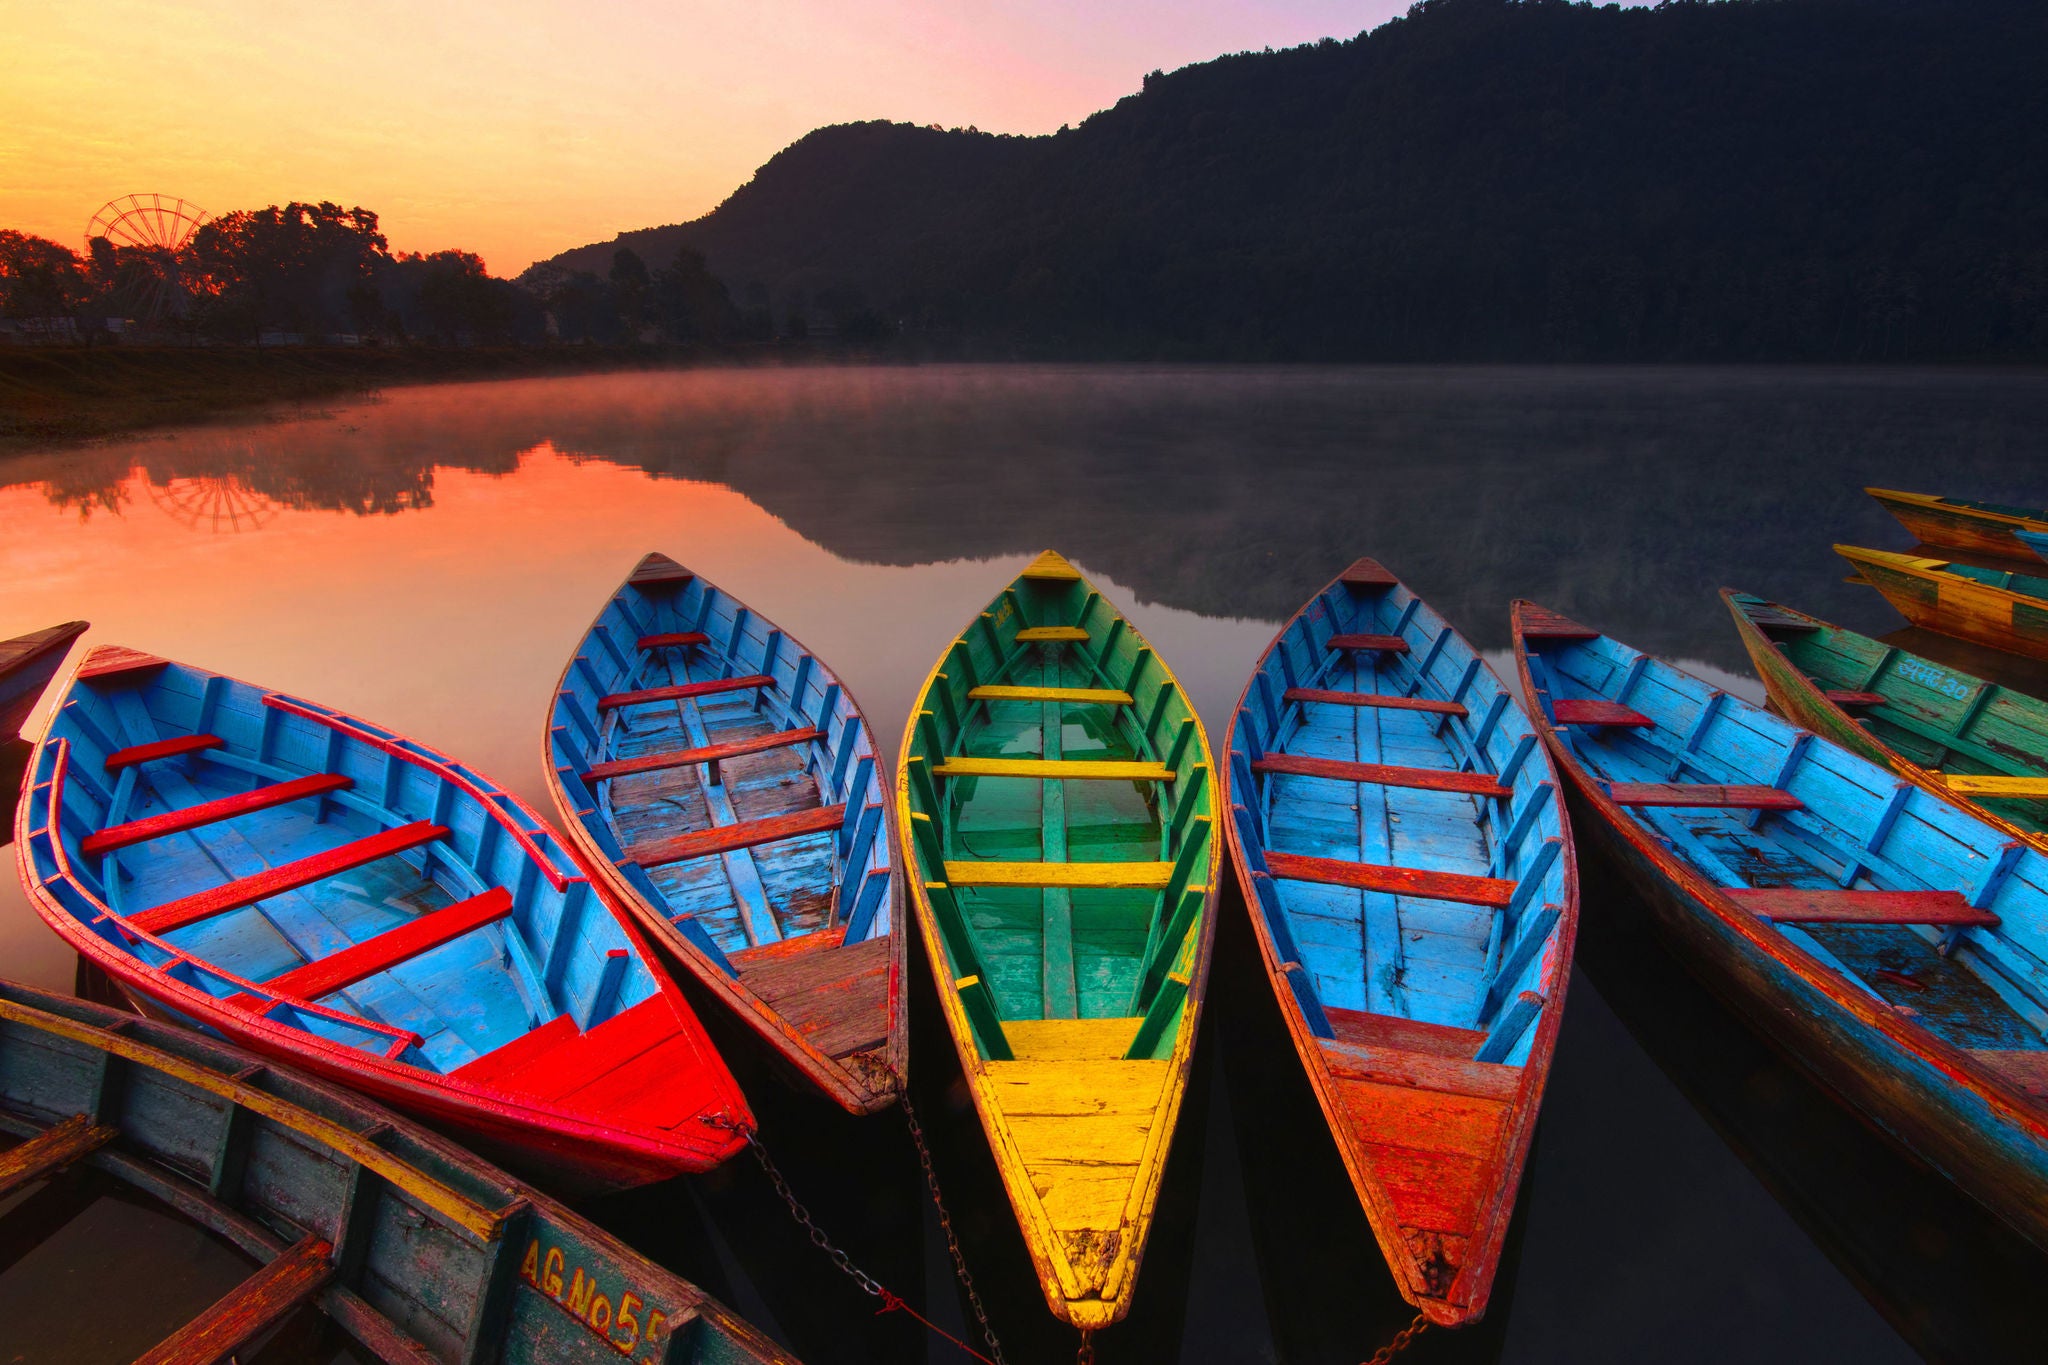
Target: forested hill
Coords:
[[1482, 180]]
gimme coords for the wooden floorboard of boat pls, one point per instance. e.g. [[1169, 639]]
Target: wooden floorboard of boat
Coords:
[[837, 997]]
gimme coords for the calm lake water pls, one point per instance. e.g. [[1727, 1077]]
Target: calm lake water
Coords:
[[427, 558]]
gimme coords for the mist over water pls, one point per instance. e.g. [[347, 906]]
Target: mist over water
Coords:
[[428, 557]]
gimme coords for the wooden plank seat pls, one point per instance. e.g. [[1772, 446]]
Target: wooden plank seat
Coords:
[[1593, 711], [1828, 905], [251, 1309], [659, 569], [1050, 568], [1385, 644], [745, 834], [1375, 700], [1383, 775], [494, 1066], [1368, 573], [339, 971], [683, 691], [162, 748], [1703, 795], [1540, 623], [1493, 892], [272, 881], [1771, 620], [1856, 698], [1048, 635], [212, 812], [710, 753], [678, 639], [51, 1150], [623, 1067], [1056, 769], [1076, 876], [1423, 1071], [1102, 696], [1995, 784], [1362, 1028], [111, 661]]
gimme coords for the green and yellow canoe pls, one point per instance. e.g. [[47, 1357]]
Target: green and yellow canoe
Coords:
[[1980, 745], [1057, 804]]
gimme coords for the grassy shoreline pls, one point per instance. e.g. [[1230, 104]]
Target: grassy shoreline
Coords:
[[63, 395]]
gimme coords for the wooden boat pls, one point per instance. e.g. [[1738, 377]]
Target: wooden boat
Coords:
[[1056, 804], [27, 663], [717, 776], [418, 1250], [2037, 541], [1404, 852], [1997, 607], [330, 894], [1980, 745], [1893, 945], [1956, 524]]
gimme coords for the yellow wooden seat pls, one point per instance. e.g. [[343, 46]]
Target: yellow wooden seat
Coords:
[[1050, 567], [1146, 876], [1048, 635], [1104, 696], [1057, 769], [1987, 784]]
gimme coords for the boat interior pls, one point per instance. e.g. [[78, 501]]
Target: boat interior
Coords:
[[1910, 900]]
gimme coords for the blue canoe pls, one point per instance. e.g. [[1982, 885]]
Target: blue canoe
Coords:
[[336, 896], [1893, 945], [417, 1250], [723, 782], [1398, 832]]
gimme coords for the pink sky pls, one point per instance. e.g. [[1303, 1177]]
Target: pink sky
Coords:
[[522, 127]]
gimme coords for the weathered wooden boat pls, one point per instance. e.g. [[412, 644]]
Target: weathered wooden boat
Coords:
[[333, 895], [416, 1249], [1056, 805], [2037, 541], [1956, 524], [1404, 853], [27, 663], [2001, 608], [1893, 945], [718, 777], [1980, 745]]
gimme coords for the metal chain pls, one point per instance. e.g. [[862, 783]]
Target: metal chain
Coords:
[[1385, 1354], [803, 1216], [1086, 1355], [931, 1179]]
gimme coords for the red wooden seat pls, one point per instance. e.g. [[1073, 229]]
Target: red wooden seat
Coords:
[[162, 748], [291, 876], [659, 569], [1423, 779], [1495, 892], [1367, 573], [1808, 905], [745, 834], [212, 812], [1592, 711], [673, 640], [1374, 699], [1541, 623], [341, 970], [711, 753], [1385, 644], [1856, 698], [1703, 795], [494, 1066], [110, 661], [684, 691]]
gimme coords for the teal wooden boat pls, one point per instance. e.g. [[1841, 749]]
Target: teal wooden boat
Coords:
[[418, 1251]]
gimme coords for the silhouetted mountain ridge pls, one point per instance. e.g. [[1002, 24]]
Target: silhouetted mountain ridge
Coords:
[[1483, 179]]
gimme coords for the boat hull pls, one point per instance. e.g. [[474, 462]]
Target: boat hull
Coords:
[[1958, 526], [1953, 605], [27, 664]]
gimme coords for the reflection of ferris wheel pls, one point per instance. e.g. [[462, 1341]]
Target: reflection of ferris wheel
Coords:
[[147, 231], [213, 502]]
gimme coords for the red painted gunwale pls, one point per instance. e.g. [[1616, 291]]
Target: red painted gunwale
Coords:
[[1927, 1134], [1466, 1300], [572, 1147]]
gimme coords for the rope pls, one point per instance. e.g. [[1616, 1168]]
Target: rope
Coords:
[[1385, 1354], [892, 1304], [931, 1180]]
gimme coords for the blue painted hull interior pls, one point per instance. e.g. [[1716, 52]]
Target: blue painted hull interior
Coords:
[[553, 954], [766, 871], [2037, 541], [1413, 957], [1858, 827], [1408, 867]]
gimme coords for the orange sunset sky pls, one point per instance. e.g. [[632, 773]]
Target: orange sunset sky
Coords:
[[523, 127]]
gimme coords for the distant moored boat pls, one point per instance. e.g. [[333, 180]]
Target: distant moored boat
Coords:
[[331, 894], [27, 663], [1956, 524], [2002, 608], [1404, 854]]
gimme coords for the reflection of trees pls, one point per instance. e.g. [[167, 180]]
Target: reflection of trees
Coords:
[[1626, 497]]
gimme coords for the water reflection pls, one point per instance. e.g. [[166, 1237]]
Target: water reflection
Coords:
[[427, 559]]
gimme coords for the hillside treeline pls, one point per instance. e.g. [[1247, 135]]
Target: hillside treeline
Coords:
[[1480, 180]]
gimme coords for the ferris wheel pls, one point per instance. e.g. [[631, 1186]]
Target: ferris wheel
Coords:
[[213, 502], [146, 232]]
